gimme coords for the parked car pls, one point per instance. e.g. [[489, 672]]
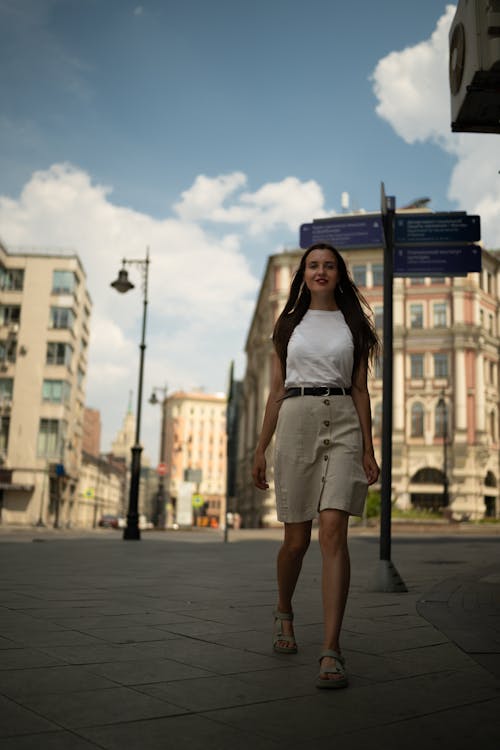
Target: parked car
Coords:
[[109, 522]]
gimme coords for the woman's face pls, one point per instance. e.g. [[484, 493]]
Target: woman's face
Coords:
[[321, 273]]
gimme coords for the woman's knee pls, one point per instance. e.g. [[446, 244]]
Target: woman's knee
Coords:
[[296, 547], [333, 529]]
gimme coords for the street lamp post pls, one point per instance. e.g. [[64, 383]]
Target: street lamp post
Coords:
[[123, 285], [159, 517]]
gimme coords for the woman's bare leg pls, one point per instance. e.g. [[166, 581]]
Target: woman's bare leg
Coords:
[[333, 526], [289, 564]]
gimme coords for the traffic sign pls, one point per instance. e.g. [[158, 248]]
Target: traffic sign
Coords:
[[438, 260], [344, 232], [197, 501], [161, 469], [439, 227]]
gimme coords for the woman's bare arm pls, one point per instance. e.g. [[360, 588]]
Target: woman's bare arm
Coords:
[[361, 399], [273, 406]]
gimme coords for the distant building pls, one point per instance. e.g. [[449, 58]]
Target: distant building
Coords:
[[121, 450], [44, 332], [446, 376], [195, 447], [100, 490], [91, 431], [125, 437]]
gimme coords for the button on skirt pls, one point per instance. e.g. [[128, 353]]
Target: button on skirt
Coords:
[[318, 458]]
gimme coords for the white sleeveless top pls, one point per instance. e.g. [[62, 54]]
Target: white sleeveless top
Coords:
[[320, 351]]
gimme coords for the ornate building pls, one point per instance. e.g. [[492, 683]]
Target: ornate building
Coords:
[[445, 400]]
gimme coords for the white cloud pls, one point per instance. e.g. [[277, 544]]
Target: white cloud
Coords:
[[413, 96], [279, 204], [412, 85], [201, 289]]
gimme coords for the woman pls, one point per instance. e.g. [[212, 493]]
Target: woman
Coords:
[[324, 460]]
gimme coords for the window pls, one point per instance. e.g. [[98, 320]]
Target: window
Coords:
[[9, 314], [378, 368], [58, 353], [8, 350], [11, 279], [441, 420], [50, 437], [63, 282], [489, 283], [438, 279], [493, 425], [378, 274], [56, 391], [4, 434], [417, 420], [359, 275], [80, 377], [378, 312], [6, 388], [61, 317], [417, 366], [440, 315], [440, 365], [416, 316], [417, 280]]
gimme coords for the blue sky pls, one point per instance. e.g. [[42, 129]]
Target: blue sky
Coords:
[[210, 130], [146, 97]]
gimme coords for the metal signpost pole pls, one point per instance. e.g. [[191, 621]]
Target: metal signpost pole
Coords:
[[387, 578], [230, 428]]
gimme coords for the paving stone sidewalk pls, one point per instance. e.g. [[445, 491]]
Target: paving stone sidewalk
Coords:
[[165, 643]]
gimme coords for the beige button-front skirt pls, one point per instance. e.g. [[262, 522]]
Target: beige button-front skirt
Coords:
[[318, 458]]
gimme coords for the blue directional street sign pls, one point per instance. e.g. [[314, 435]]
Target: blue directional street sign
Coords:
[[438, 260], [439, 227], [344, 232]]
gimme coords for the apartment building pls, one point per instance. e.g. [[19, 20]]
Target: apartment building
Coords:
[[44, 332], [445, 399], [195, 447]]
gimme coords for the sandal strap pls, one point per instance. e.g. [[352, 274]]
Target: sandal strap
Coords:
[[333, 655], [283, 615], [278, 636]]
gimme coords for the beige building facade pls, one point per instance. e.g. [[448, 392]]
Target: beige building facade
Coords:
[[445, 395], [100, 490], [194, 444], [44, 333]]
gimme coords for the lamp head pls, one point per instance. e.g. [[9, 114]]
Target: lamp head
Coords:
[[153, 399], [122, 284]]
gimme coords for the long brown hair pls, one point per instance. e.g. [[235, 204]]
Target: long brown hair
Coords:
[[349, 300]]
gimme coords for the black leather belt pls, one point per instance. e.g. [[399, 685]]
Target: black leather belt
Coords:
[[317, 391]]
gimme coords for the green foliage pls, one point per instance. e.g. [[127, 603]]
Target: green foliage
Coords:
[[373, 504]]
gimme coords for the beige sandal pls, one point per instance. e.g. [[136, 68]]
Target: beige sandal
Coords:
[[339, 669], [278, 634]]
